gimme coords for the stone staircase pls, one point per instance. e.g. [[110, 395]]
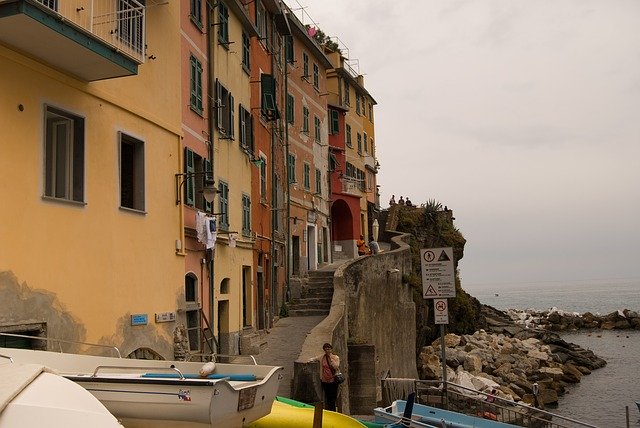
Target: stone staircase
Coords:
[[316, 295]]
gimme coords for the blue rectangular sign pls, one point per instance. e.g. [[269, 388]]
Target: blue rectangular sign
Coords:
[[139, 319]]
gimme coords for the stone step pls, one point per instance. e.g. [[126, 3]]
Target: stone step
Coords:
[[318, 291], [307, 312], [311, 303], [320, 273]]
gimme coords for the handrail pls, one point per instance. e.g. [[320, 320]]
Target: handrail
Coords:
[[47, 339], [7, 357], [522, 409], [129, 368], [214, 356]]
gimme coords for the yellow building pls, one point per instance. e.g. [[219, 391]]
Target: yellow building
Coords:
[[233, 297], [90, 148]]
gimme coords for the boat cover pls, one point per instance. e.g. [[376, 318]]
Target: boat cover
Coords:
[[16, 377]]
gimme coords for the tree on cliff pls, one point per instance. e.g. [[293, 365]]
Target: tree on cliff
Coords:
[[431, 226]]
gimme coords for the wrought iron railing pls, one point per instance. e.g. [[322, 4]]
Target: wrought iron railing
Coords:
[[469, 401], [460, 399], [119, 23]]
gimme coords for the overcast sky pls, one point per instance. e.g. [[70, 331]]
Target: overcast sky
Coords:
[[522, 116]]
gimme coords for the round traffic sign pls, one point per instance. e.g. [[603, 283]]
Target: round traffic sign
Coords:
[[429, 256]]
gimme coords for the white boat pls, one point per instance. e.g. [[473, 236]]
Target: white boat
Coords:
[[31, 397], [158, 393]]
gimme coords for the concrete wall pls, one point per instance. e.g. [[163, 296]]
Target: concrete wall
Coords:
[[372, 316]]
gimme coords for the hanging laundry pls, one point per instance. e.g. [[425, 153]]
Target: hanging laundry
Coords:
[[201, 227], [211, 231]]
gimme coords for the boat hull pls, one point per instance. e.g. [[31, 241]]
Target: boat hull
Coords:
[[427, 416], [129, 390]]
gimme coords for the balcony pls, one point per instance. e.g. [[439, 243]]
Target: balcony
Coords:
[[352, 186], [89, 39]]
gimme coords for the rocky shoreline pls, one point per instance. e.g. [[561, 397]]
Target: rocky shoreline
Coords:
[[515, 352], [557, 320]]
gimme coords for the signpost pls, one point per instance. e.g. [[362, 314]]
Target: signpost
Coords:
[[439, 284], [438, 275], [441, 311]]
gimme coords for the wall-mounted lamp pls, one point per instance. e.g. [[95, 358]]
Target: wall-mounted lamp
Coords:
[[258, 162], [208, 190], [377, 165]]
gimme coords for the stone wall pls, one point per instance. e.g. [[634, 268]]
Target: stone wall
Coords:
[[371, 309]]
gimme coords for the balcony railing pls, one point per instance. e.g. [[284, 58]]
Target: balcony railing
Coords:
[[120, 23], [352, 186]]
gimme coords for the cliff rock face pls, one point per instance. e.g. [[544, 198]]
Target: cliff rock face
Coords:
[[431, 226]]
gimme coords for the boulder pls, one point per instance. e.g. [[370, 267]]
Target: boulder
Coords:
[[571, 373], [473, 363], [547, 396], [553, 372], [539, 355]]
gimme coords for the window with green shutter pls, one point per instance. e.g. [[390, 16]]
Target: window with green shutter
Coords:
[[334, 124], [189, 183], [288, 44], [317, 132], [318, 181], [196, 12], [246, 215], [223, 24], [196, 85], [305, 120], [307, 178], [292, 168], [268, 99], [208, 206], [246, 52], [223, 204], [316, 76], [305, 65], [290, 108]]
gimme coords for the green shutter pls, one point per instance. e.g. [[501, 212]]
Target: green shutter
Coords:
[[288, 40], [208, 206], [189, 168], [231, 130], [335, 123], [268, 102]]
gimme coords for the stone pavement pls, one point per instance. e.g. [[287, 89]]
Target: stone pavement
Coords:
[[284, 343]]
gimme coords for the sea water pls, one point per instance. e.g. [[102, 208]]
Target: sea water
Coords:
[[595, 296], [600, 398]]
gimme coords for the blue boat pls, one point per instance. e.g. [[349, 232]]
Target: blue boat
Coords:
[[423, 416]]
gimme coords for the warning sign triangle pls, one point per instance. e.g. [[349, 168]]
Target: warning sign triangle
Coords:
[[443, 257], [431, 292]]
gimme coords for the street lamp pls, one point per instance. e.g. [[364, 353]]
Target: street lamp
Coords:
[[208, 190]]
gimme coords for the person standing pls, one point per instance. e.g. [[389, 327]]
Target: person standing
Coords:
[[329, 366], [401, 201], [392, 201], [362, 246], [374, 247]]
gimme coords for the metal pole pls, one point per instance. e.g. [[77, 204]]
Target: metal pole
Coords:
[[627, 411], [444, 367]]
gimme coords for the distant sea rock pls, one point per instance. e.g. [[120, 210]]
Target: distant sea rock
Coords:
[[555, 319]]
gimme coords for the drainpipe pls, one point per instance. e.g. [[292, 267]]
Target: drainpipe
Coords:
[[274, 203], [210, 84], [286, 145], [286, 160]]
